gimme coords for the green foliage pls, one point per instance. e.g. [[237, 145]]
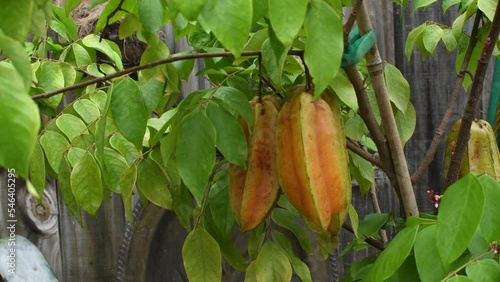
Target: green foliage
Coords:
[[133, 135]]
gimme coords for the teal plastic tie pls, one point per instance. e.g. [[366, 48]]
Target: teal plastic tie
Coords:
[[358, 47]]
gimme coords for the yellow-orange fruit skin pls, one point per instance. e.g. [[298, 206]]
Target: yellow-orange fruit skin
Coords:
[[253, 192], [312, 160], [481, 154]]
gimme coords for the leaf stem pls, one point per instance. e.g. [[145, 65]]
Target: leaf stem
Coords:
[[204, 200], [473, 100], [472, 260]]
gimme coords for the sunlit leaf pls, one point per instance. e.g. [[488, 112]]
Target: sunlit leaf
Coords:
[[460, 212], [20, 120], [394, 255], [129, 111], [325, 44], [86, 184]]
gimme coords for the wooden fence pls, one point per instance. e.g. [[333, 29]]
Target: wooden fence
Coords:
[[107, 248]]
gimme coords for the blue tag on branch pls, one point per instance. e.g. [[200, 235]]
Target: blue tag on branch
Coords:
[[358, 47]]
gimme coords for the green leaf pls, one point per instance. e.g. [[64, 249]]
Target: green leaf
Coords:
[[394, 255], [51, 78], [20, 121], [82, 56], [397, 86], [125, 147], [431, 36], [37, 169], [201, 256], [355, 127], [286, 18], [219, 205], [260, 9], [406, 123], [64, 185], [363, 171], [299, 266], [151, 93], [113, 166], [429, 265], [413, 37], [236, 102], [54, 145], [232, 255], [250, 272], [105, 46], [74, 155], [354, 217], [449, 40], [325, 44], [153, 183], [488, 7], [272, 264], [371, 224], [287, 220], [150, 15], [233, 31], [471, 67], [230, 137], [156, 50], [86, 184], [129, 111], [256, 240], [448, 3], [11, 14], [459, 215], [484, 270], [87, 109], [128, 26], [18, 56], [66, 22], [344, 89], [490, 221], [70, 5], [422, 3], [71, 126], [459, 278], [196, 149], [273, 59], [127, 181], [189, 9]]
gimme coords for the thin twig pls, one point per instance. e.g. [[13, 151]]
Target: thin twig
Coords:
[[351, 145], [376, 208], [370, 240], [473, 100], [439, 134], [148, 66]]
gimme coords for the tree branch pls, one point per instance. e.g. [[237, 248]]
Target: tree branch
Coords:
[[473, 100], [351, 145], [376, 69], [439, 134], [148, 66]]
